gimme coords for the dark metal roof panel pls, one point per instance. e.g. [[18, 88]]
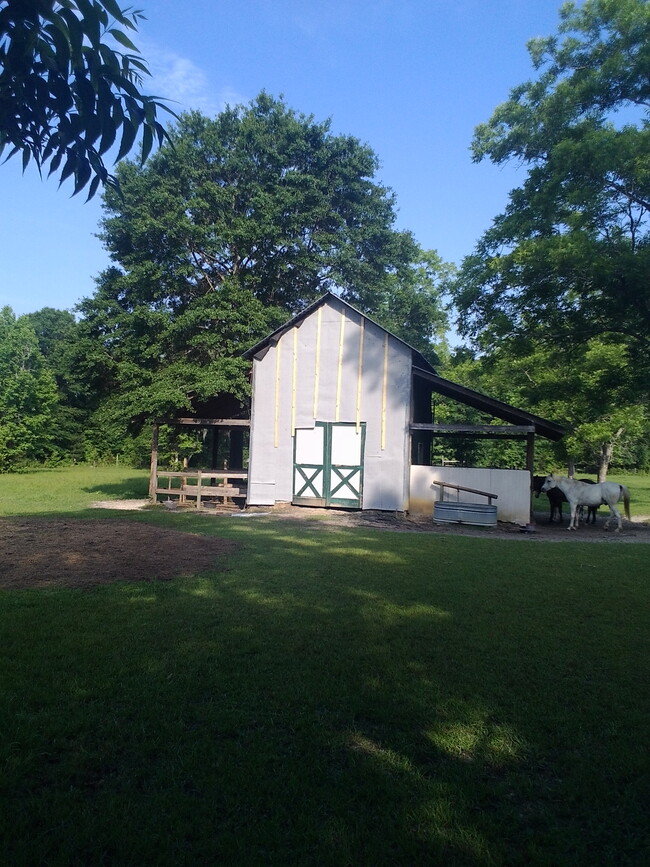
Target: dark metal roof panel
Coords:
[[549, 429]]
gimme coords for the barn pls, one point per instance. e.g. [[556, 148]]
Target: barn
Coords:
[[341, 416]]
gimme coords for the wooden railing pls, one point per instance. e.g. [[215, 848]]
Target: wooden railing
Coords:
[[443, 485], [201, 485]]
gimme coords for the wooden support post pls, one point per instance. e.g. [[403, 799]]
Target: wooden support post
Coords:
[[236, 449], [153, 470], [530, 466], [215, 447]]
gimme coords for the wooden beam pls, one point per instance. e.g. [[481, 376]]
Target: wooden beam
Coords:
[[480, 431], [210, 422]]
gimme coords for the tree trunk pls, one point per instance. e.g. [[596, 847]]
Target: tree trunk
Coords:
[[606, 454], [571, 469], [604, 460]]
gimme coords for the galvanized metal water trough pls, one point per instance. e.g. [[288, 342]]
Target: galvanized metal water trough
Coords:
[[458, 512], [479, 514]]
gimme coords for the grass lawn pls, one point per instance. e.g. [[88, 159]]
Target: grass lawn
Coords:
[[336, 697]]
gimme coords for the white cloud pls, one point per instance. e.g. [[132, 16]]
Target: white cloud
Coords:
[[185, 84]]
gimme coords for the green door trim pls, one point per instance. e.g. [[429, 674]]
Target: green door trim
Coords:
[[336, 477]]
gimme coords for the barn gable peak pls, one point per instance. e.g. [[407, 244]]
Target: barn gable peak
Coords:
[[335, 301]]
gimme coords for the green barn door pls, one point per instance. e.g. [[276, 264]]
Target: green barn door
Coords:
[[328, 465], [309, 466], [344, 469]]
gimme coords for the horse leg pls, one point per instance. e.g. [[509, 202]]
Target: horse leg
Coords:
[[574, 514], [614, 513], [618, 518]]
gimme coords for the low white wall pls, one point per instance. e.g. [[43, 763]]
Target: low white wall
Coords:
[[512, 488]]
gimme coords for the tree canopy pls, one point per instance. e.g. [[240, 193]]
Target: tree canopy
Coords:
[[607, 419], [570, 257], [68, 92], [28, 394], [230, 228], [261, 197]]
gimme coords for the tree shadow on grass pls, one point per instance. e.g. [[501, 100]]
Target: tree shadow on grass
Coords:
[[332, 699], [133, 488]]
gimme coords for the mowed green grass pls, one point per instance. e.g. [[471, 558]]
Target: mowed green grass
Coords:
[[69, 489], [332, 697]]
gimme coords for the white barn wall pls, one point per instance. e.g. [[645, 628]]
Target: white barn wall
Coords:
[[511, 486], [300, 388]]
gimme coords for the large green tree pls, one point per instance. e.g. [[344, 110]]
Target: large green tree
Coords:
[[570, 257], [68, 90], [58, 336], [414, 306], [607, 420], [236, 224], [28, 395], [260, 197]]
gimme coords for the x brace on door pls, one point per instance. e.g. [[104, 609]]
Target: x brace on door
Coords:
[[309, 488], [345, 477]]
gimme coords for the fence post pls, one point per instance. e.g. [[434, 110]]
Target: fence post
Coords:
[[153, 471]]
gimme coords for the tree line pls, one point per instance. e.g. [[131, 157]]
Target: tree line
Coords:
[[237, 222]]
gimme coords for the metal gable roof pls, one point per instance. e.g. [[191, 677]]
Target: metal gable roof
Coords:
[[424, 370], [275, 335]]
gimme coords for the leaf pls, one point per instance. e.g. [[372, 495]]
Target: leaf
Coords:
[[108, 135], [122, 39], [129, 132], [86, 95], [147, 143], [94, 185], [56, 162], [82, 175], [113, 9], [69, 167], [59, 36], [90, 21], [110, 59], [71, 29]]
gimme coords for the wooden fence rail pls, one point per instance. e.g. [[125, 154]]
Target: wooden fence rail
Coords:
[[200, 485]]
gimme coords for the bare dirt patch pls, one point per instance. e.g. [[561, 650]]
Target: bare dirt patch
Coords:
[[637, 530], [39, 553]]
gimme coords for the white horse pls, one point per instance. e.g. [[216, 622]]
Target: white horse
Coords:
[[584, 494]]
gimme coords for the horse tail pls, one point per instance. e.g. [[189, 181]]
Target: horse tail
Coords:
[[626, 500]]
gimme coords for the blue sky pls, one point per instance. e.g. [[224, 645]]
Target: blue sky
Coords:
[[411, 78]]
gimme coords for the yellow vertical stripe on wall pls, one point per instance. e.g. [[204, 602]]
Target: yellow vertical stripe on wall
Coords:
[[383, 394], [277, 392], [317, 371], [340, 370], [360, 373], [293, 381]]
